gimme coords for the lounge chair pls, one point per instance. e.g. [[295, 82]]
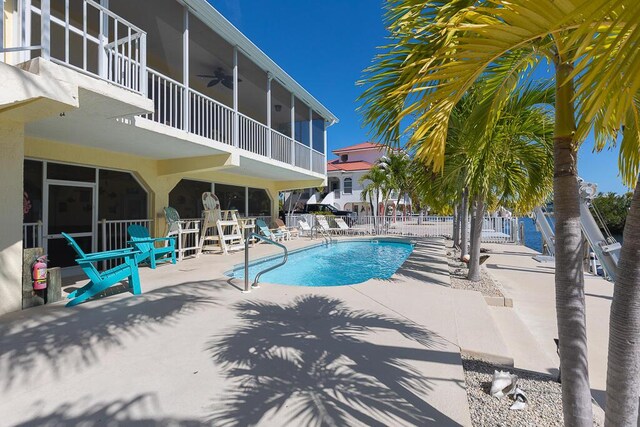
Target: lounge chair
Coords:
[[290, 231], [145, 244], [101, 280], [324, 224], [346, 229], [305, 228], [275, 235]]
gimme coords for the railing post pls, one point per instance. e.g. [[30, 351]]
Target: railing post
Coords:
[[236, 127], [144, 84], [45, 29], [103, 40], [2, 30], [39, 231], [293, 129], [185, 70], [103, 227], [310, 138], [269, 78]]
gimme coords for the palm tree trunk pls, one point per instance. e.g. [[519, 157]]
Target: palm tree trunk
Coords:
[[464, 239], [456, 226], [623, 373], [569, 277], [477, 219]]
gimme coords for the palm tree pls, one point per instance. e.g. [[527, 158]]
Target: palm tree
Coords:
[[441, 48], [397, 165], [375, 185]]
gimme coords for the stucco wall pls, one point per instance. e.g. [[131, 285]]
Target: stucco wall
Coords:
[[11, 171]]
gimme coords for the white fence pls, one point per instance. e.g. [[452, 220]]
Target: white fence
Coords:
[[32, 234], [495, 230]]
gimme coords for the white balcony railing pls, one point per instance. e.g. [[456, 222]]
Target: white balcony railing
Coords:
[[318, 160], [280, 147], [100, 43], [210, 119], [253, 135], [302, 155], [96, 41]]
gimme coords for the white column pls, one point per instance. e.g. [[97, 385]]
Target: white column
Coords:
[[45, 29], [26, 30], [269, 78], [236, 141], [2, 31], [310, 138], [324, 136], [11, 176], [293, 129], [186, 105], [103, 40]]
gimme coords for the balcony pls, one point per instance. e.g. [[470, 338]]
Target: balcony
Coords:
[[85, 36]]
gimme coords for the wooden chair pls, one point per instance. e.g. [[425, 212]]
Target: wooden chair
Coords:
[[183, 230], [219, 226], [141, 240], [101, 280]]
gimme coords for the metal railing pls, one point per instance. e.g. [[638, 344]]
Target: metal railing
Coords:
[[102, 44], [113, 235], [32, 235], [252, 135], [280, 147], [302, 155], [494, 230], [254, 285], [318, 161]]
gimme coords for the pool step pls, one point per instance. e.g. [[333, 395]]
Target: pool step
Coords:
[[478, 333]]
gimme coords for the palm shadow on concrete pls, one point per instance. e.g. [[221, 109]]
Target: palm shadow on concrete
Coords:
[[426, 263], [135, 412], [311, 362], [58, 339]]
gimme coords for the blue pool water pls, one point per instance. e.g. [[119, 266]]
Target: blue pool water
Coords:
[[343, 263]]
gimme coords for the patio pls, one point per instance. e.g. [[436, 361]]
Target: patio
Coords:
[[192, 350]]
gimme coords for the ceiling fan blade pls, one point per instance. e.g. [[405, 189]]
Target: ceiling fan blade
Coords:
[[207, 76], [213, 82], [228, 83]]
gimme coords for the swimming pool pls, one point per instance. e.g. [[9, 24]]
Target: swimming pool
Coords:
[[342, 263]]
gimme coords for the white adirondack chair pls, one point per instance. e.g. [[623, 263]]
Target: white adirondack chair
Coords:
[[225, 231], [186, 232]]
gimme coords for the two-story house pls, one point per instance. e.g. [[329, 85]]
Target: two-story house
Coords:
[[111, 110], [344, 186]]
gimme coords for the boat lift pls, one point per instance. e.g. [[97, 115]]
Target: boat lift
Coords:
[[606, 249]]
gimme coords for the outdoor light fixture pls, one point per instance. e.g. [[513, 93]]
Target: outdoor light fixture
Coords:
[[278, 108]]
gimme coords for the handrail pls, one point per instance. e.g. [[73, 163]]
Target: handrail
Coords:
[[266, 270], [326, 236]]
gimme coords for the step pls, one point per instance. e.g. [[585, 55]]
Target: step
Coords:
[[527, 352], [478, 333]]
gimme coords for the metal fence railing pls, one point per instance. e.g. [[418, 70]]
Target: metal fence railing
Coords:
[[495, 229]]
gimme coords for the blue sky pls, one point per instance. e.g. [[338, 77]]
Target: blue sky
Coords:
[[325, 45]]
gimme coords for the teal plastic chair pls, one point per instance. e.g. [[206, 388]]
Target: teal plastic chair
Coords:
[[144, 243], [264, 229], [101, 280]]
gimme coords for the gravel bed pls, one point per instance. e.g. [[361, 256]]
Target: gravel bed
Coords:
[[458, 272], [544, 398]]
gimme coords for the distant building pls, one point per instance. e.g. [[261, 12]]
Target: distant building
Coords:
[[344, 190]]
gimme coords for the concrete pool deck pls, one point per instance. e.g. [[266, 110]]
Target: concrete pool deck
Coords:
[[529, 329], [194, 350]]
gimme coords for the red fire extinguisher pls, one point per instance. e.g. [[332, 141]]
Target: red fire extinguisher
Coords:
[[39, 273]]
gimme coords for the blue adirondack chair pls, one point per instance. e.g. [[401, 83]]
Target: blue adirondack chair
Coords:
[[262, 226], [101, 280], [144, 243]]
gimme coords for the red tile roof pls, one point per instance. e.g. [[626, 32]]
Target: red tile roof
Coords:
[[357, 165], [361, 146]]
